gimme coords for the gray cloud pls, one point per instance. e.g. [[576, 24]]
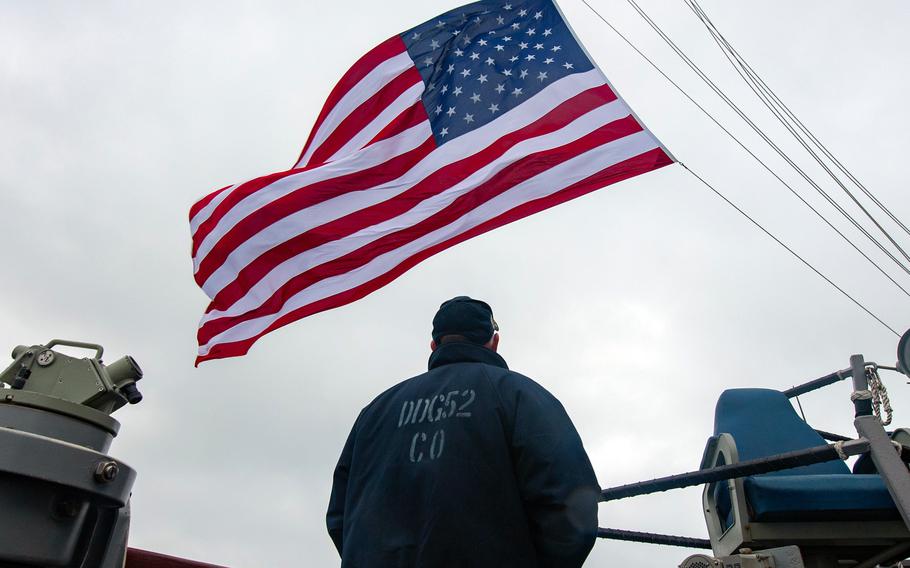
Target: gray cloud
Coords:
[[636, 305]]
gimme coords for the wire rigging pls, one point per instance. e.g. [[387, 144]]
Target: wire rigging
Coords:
[[786, 117], [790, 250], [694, 67], [769, 100], [743, 146]]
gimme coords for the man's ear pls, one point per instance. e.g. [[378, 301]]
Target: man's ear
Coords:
[[433, 345], [494, 343]]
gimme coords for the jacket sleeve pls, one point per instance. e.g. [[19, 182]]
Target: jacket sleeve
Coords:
[[334, 518], [555, 477]]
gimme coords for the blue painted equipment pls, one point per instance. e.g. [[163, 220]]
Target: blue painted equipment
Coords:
[[777, 495]]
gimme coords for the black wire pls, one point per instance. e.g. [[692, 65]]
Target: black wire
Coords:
[[800, 405], [741, 145], [737, 470], [719, 194], [704, 17], [764, 96], [791, 251], [783, 113], [761, 133], [653, 538]]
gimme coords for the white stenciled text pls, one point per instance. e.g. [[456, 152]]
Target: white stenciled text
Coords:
[[438, 407], [430, 447]]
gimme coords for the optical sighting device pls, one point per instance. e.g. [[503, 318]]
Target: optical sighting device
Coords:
[[65, 501]]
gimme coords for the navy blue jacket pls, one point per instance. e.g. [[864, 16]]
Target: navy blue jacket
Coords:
[[468, 464]]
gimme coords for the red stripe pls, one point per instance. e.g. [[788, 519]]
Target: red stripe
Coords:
[[436, 182], [646, 162], [385, 50], [599, 94], [350, 126], [364, 114], [241, 192], [407, 119], [136, 558], [507, 178], [308, 196], [199, 205], [411, 117]]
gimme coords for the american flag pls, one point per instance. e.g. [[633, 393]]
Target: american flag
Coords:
[[482, 116]]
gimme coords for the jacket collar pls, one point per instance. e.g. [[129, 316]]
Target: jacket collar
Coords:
[[460, 352]]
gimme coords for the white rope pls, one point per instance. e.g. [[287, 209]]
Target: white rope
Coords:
[[879, 396], [839, 448]]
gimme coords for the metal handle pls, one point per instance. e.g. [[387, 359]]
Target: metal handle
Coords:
[[80, 344]]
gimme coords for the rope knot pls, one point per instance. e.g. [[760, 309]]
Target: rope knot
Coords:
[[839, 448]]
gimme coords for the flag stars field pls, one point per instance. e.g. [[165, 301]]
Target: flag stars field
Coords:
[[492, 63]]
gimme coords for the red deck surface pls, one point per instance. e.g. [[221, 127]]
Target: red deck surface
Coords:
[[136, 558]]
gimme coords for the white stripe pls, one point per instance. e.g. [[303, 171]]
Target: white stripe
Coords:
[[404, 101], [288, 228], [547, 183], [372, 82], [466, 145], [370, 156], [204, 213]]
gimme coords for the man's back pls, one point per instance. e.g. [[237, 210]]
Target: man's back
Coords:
[[468, 464]]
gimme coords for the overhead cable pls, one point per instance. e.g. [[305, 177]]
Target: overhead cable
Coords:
[[791, 251], [701, 13], [744, 147], [790, 121], [692, 65]]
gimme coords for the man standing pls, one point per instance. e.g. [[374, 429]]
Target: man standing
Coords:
[[468, 465]]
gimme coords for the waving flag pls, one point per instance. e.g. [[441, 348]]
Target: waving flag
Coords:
[[477, 118]]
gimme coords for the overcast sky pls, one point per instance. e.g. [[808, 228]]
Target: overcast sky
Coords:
[[635, 305]]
